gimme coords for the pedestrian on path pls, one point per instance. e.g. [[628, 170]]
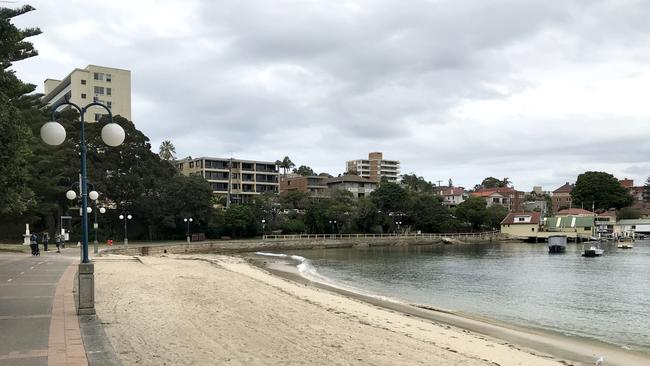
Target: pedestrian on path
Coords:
[[46, 240], [59, 242], [33, 243]]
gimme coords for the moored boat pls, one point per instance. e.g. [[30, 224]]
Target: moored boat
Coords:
[[557, 243], [593, 251]]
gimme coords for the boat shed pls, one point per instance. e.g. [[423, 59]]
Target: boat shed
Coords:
[[627, 227], [583, 226]]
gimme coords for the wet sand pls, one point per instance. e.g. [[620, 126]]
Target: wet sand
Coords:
[[222, 310]]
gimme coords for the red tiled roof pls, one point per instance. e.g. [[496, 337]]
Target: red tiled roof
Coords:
[[566, 188], [535, 218], [484, 193], [451, 191], [574, 212]]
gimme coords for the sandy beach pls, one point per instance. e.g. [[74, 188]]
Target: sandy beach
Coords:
[[222, 310]]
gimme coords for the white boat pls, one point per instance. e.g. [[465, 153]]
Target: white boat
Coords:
[[625, 243], [593, 251]]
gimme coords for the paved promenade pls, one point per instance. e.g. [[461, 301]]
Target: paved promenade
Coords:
[[38, 321]]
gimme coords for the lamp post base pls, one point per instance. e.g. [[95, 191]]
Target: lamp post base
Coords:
[[86, 289]]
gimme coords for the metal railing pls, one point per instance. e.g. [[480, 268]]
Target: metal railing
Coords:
[[481, 235]]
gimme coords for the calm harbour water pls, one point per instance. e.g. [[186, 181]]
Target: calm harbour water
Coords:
[[605, 298]]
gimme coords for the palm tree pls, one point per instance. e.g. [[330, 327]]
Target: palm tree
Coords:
[[286, 164], [167, 151]]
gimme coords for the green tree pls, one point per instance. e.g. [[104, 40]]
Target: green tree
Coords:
[[600, 189], [492, 182], [367, 217], [294, 199], [305, 171], [240, 221], [628, 213], [494, 215], [389, 197], [167, 150], [646, 191], [472, 211], [15, 106], [429, 215], [416, 184]]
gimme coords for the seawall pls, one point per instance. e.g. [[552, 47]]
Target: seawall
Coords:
[[244, 246]]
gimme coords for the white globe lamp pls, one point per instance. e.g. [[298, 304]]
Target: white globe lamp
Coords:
[[113, 134], [93, 195], [102, 210], [53, 133], [89, 209], [121, 217], [71, 195], [129, 217]]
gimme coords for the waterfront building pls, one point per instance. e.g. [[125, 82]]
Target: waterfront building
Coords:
[[314, 185], [358, 186], [507, 197], [561, 197], [452, 196], [521, 224], [580, 226], [375, 168], [107, 85], [237, 180]]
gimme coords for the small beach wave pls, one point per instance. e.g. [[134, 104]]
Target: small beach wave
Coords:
[[308, 271]]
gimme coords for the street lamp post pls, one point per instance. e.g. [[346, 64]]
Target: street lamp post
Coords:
[[102, 210], [333, 225], [263, 228], [126, 216], [398, 223], [187, 231], [53, 133]]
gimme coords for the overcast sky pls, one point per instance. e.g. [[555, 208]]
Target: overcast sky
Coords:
[[537, 91]]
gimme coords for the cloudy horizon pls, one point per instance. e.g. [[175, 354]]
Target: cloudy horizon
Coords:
[[535, 91]]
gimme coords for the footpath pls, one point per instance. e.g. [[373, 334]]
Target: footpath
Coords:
[[39, 324]]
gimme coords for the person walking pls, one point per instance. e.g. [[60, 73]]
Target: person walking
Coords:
[[59, 242], [33, 243], [46, 240]]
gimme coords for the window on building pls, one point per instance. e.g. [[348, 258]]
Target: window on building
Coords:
[[109, 104], [83, 95], [109, 78], [108, 91], [83, 81], [191, 164], [99, 76], [99, 90], [98, 116]]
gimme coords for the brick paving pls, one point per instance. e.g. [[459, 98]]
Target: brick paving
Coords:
[[65, 346]]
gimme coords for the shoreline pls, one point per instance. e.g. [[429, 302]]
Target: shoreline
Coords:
[[537, 341]]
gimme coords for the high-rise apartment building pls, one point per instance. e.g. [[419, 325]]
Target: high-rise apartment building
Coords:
[[107, 85], [374, 168], [238, 179]]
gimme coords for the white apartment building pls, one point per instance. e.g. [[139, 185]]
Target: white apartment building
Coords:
[[107, 85], [375, 167], [238, 179]]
